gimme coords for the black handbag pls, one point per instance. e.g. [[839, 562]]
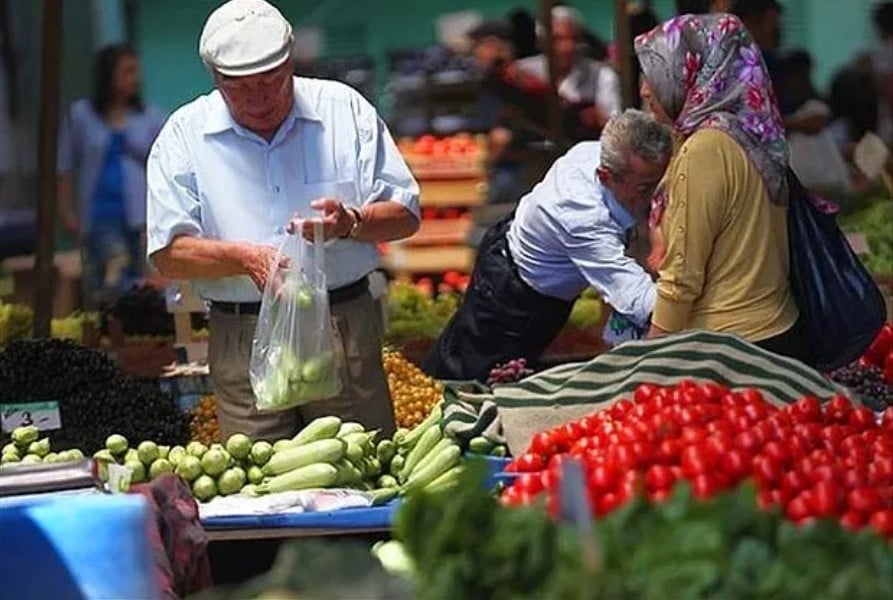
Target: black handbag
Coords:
[[841, 307]]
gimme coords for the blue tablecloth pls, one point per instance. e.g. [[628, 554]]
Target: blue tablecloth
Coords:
[[376, 517], [79, 547]]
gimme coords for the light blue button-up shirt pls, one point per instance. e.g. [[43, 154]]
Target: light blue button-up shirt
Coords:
[[83, 145], [570, 233], [210, 177]]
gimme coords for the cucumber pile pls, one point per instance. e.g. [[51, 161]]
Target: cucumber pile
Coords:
[[327, 453], [426, 459]]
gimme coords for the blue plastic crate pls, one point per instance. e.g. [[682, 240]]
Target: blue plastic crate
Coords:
[[71, 546]]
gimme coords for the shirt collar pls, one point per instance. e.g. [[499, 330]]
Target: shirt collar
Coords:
[[220, 119], [618, 211]]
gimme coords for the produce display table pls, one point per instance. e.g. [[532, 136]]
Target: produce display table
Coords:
[[347, 521]]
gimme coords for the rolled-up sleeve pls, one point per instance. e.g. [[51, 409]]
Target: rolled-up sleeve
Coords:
[[172, 203], [384, 174], [620, 280], [691, 223]]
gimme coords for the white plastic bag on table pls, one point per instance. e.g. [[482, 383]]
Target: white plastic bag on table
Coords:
[[292, 357]]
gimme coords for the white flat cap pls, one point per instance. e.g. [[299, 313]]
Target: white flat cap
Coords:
[[245, 37]]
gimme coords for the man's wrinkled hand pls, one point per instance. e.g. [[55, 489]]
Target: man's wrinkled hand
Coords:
[[259, 262], [336, 220]]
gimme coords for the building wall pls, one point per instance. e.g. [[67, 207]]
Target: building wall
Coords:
[[833, 31], [167, 32]]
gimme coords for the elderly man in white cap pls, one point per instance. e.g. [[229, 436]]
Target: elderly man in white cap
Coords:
[[228, 174]]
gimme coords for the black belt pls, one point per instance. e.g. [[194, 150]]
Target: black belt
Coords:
[[337, 296]]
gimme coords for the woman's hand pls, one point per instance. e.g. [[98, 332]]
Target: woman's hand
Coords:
[[655, 332], [658, 250]]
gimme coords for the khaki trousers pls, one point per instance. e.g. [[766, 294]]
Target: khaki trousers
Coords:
[[364, 397]]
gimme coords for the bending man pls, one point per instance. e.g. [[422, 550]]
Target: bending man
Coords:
[[569, 233]]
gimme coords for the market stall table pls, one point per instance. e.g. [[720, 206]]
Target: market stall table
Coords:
[[342, 522], [346, 521]]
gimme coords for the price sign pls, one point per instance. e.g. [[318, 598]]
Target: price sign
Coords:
[[43, 415]]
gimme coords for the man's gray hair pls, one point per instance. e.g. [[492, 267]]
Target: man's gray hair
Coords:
[[634, 132]]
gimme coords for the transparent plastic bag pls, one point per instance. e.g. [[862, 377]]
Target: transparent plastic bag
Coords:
[[293, 359]]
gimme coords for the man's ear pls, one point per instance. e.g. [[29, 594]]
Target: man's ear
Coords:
[[603, 174]]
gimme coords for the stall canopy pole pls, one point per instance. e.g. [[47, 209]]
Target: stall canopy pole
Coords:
[[556, 131], [50, 72], [623, 45]]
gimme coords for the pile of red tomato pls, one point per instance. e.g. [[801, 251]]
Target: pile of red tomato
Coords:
[[880, 353], [810, 460]]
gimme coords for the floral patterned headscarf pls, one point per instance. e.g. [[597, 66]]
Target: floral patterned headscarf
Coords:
[[707, 72]]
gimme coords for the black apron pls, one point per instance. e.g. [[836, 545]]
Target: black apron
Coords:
[[500, 318]]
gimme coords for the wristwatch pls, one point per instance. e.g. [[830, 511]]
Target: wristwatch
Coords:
[[357, 223]]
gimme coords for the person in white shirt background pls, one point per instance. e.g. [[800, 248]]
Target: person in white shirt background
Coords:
[[568, 234], [814, 153], [226, 176], [581, 81]]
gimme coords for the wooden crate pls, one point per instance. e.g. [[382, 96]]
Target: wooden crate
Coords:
[[426, 168], [183, 302], [67, 285], [458, 193], [441, 232], [402, 260]]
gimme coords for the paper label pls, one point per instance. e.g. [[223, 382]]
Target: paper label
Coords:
[[43, 415], [119, 478]]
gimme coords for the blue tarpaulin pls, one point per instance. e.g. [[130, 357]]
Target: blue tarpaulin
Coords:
[[376, 517], [79, 547]]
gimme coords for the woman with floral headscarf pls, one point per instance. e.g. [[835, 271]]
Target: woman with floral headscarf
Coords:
[[721, 215]]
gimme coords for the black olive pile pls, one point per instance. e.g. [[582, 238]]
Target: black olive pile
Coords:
[[95, 397], [143, 311], [868, 382]]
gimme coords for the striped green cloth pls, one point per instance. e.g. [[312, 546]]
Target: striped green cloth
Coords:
[[573, 390], [471, 415], [463, 421]]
